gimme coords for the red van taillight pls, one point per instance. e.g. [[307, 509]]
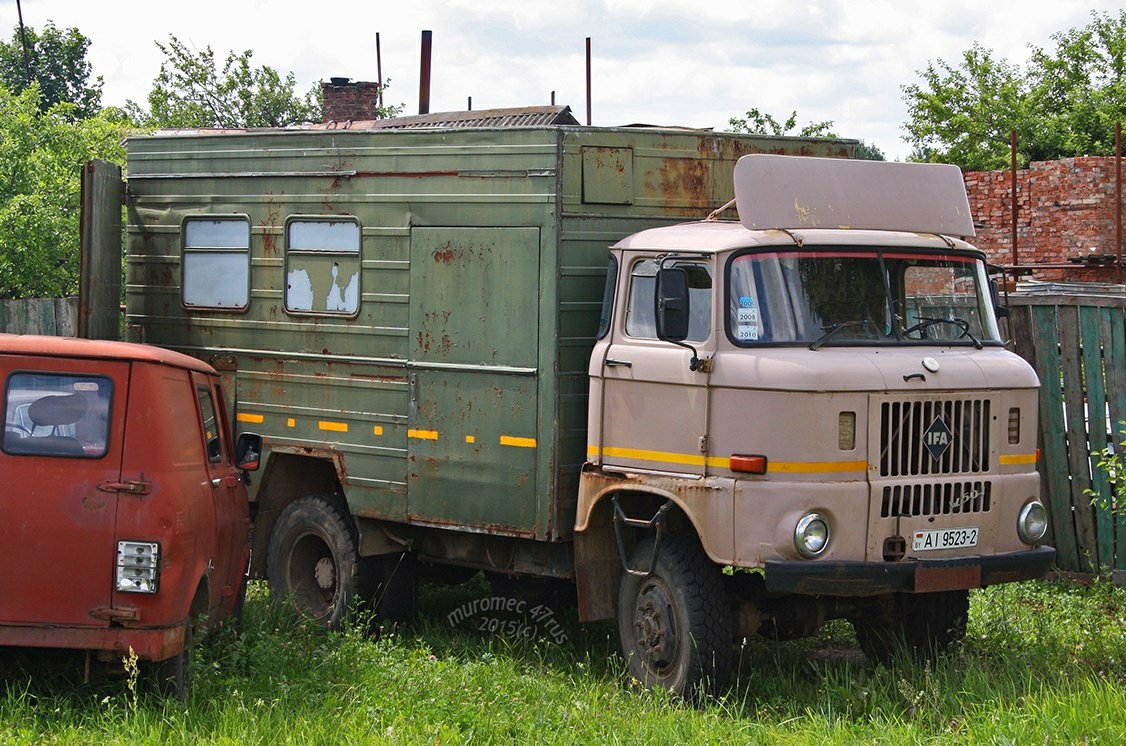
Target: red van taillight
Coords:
[[138, 566]]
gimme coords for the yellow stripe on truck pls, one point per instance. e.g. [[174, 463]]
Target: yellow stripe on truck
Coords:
[[723, 462]]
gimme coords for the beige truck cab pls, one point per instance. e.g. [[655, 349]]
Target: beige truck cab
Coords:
[[817, 397]]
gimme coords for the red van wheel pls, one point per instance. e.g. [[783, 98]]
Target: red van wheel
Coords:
[[311, 560]]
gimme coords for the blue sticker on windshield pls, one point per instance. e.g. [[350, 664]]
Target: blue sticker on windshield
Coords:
[[746, 302]]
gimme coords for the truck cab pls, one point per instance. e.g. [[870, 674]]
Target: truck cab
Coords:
[[818, 397], [124, 524]]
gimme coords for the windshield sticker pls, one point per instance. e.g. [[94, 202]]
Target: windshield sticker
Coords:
[[748, 316], [746, 302], [747, 333]]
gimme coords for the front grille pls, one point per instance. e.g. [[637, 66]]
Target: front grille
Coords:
[[960, 425], [936, 499]]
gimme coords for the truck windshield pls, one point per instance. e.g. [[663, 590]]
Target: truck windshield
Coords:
[[859, 297]]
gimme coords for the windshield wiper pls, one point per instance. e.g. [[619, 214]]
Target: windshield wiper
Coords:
[[832, 329], [926, 322]]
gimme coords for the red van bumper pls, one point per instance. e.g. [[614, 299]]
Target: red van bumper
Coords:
[[155, 644]]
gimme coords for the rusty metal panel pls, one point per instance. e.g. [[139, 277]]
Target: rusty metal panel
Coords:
[[473, 439], [474, 296], [608, 176]]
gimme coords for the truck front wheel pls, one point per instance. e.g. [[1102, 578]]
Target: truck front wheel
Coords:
[[311, 560], [674, 624]]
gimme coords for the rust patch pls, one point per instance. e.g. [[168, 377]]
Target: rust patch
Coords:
[[447, 254], [93, 503], [685, 179]]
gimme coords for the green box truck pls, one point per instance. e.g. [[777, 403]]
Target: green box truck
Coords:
[[450, 372]]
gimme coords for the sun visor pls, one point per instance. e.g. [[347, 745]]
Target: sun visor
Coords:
[[795, 192]]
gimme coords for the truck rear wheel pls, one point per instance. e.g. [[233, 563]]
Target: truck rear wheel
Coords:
[[674, 624], [311, 559], [924, 625]]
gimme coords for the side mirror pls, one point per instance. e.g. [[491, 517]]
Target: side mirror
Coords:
[[248, 451], [672, 304]]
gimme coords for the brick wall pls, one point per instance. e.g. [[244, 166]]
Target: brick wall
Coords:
[[348, 101], [1065, 213]]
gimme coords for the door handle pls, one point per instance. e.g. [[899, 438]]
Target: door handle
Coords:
[[612, 363]]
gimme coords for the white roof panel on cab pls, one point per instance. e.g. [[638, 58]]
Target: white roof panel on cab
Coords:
[[796, 192]]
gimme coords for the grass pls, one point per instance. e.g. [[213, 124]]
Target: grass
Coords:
[[1042, 663]]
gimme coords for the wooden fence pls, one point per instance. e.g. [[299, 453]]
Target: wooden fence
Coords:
[[54, 316], [1078, 346]]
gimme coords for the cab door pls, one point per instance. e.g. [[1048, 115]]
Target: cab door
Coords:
[[227, 491], [654, 407], [61, 464]]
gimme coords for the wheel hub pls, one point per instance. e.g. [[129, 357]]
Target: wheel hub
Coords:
[[324, 572], [655, 626]]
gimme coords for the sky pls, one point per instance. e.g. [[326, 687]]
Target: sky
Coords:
[[662, 62]]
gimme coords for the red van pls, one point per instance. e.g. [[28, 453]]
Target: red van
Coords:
[[123, 517]]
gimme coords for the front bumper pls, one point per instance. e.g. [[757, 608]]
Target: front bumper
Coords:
[[857, 579]]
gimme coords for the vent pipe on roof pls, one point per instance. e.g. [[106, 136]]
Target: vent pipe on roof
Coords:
[[588, 81], [379, 69], [424, 76]]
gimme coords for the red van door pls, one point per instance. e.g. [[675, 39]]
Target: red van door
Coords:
[[227, 491], [61, 466]]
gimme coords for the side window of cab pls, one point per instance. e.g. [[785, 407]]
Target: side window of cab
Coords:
[[641, 306], [212, 426]]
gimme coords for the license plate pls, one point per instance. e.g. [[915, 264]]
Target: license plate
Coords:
[[945, 538]]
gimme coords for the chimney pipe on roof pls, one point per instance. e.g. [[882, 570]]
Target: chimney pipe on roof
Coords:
[[424, 76]]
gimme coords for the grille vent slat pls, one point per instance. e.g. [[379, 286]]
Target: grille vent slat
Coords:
[[913, 500], [903, 430]]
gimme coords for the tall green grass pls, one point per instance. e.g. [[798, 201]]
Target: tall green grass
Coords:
[[1042, 663]]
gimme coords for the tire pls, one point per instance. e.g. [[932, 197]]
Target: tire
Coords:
[[925, 626], [674, 625], [174, 675], [311, 560]]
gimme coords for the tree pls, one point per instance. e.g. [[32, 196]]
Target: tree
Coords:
[[760, 123], [1080, 91], [193, 90], [963, 114], [41, 159], [58, 64], [1064, 103]]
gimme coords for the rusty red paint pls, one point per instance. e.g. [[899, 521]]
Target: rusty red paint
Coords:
[[447, 255]]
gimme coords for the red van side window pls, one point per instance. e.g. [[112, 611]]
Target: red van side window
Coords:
[[212, 433], [48, 414]]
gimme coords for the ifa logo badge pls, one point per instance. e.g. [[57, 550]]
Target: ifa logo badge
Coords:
[[937, 438]]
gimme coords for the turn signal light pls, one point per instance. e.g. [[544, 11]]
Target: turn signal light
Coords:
[[748, 464]]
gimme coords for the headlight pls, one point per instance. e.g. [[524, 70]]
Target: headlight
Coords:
[[1032, 524], [138, 566], [811, 535]]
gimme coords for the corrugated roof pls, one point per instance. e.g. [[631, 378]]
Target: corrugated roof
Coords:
[[525, 116]]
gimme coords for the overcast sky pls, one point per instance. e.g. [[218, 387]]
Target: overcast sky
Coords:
[[673, 62]]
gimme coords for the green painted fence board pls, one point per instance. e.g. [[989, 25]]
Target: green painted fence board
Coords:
[[1094, 384], [1055, 465], [1078, 452]]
